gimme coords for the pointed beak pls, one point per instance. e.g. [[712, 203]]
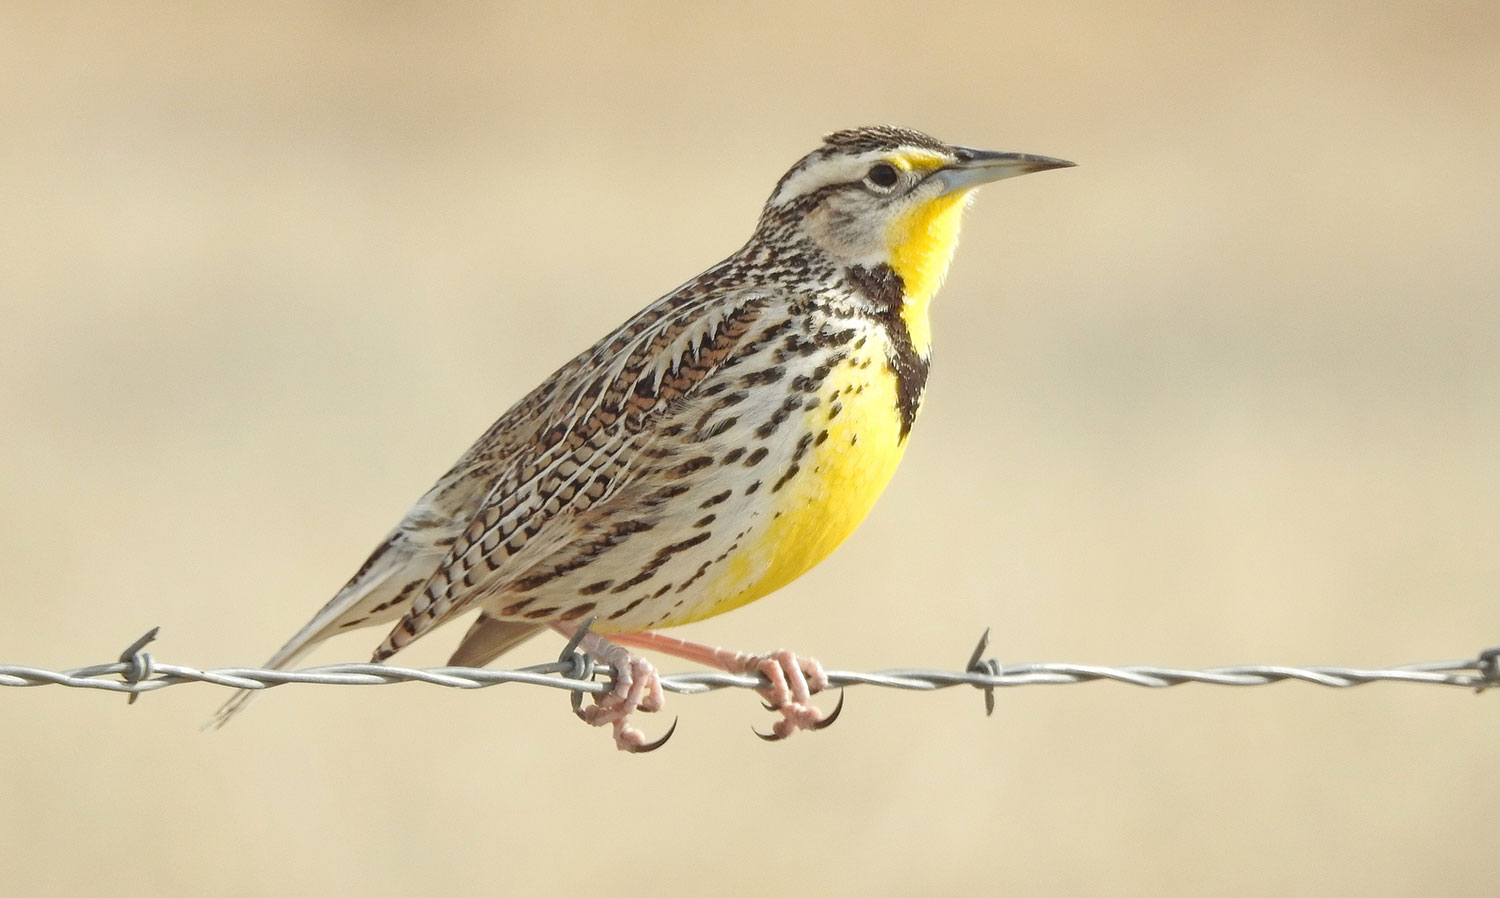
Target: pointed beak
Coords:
[[975, 167]]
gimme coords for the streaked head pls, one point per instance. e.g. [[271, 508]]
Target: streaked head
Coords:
[[889, 196]]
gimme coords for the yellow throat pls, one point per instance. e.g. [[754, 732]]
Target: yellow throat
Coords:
[[921, 245]]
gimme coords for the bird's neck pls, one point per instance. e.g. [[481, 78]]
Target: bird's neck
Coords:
[[921, 246]]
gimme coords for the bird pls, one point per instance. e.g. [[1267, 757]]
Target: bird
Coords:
[[710, 450]]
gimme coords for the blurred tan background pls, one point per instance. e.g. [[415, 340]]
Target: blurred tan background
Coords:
[[1228, 392]]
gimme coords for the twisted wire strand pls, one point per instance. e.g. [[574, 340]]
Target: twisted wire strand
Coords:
[[137, 672]]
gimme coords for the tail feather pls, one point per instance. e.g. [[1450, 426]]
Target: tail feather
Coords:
[[300, 645], [489, 638], [377, 594]]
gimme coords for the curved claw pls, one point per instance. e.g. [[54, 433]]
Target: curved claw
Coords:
[[769, 737], [823, 724], [577, 700], [827, 722], [770, 707], [653, 746]]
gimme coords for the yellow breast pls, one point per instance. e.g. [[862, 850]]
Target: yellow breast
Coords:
[[837, 484]]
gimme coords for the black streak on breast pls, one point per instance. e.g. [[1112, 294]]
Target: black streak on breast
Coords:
[[885, 290]]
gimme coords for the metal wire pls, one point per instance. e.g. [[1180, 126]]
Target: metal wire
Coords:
[[137, 672]]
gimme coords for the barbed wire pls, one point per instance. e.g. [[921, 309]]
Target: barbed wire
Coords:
[[136, 672]]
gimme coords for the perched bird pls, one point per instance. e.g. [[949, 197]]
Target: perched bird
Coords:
[[707, 452]]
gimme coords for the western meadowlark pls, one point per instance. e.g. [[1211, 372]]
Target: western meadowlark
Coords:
[[710, 450]]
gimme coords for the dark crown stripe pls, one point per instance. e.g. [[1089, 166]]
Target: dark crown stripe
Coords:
[[881, 137]]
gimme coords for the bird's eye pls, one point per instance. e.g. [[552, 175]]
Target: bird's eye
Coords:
[[882, 175]]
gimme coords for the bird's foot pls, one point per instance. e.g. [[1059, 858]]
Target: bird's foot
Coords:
[[637, 687], [792, 680], [793, 683]]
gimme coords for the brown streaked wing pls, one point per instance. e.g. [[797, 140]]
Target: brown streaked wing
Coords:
[[582, 431]]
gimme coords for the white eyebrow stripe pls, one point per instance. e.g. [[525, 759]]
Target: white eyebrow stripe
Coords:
[[822, 172]]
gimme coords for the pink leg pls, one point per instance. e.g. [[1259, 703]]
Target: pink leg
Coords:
[[637, 687], [793, 680]]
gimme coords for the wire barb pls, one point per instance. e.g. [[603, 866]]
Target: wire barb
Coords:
[[984, 667], [582, 664], [140, 664], [1488, 666]]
